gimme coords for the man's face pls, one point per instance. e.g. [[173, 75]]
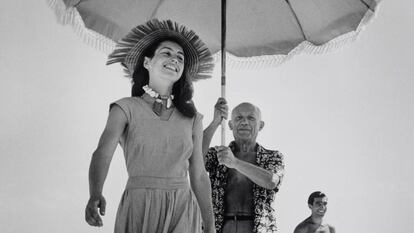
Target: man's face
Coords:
[[319, 206], [245, 122]]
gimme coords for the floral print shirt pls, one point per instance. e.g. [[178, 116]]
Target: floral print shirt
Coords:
[[264, 214]]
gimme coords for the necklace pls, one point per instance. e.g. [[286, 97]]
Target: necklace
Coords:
[[158, 99]]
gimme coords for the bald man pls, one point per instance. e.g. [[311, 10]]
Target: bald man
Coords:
[[244, 176], [318, 204]]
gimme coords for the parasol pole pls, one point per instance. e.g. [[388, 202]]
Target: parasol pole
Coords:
[[223, 65]]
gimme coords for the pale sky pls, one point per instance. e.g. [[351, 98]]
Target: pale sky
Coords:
[[343, 121]]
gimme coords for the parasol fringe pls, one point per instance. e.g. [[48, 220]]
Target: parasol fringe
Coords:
[[306, 47], [67, 14]]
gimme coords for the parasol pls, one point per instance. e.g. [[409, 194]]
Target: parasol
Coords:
[[254, 34]]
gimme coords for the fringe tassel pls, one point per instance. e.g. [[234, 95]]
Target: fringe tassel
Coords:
[[67, 14]]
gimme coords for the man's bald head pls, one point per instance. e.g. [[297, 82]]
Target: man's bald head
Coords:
[[247, 105], [246, 122]]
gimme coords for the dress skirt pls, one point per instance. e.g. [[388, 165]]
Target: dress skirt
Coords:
[[158, 205]]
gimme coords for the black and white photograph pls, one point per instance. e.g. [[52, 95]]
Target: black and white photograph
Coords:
[[191, 116]]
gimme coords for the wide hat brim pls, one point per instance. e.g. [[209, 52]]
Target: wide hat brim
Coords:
[[130, 50]]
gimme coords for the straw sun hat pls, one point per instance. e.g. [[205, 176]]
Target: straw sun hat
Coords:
[[130, 50]]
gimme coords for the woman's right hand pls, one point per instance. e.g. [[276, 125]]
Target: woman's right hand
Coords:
[[92, 216]]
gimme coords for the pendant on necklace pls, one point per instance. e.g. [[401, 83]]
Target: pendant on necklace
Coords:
[[244, 147], [157, 107]]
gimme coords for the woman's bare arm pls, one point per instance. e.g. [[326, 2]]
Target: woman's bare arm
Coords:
[[100, 162]]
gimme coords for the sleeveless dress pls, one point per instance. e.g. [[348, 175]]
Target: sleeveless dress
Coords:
[[158, 197]]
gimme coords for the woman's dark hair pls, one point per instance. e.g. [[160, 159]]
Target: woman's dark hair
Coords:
[[182, 88]]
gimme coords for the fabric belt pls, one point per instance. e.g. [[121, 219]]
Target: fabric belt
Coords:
[[239, 217], [157, 182]]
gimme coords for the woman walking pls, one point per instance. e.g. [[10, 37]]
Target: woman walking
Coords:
[[160, 132]]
